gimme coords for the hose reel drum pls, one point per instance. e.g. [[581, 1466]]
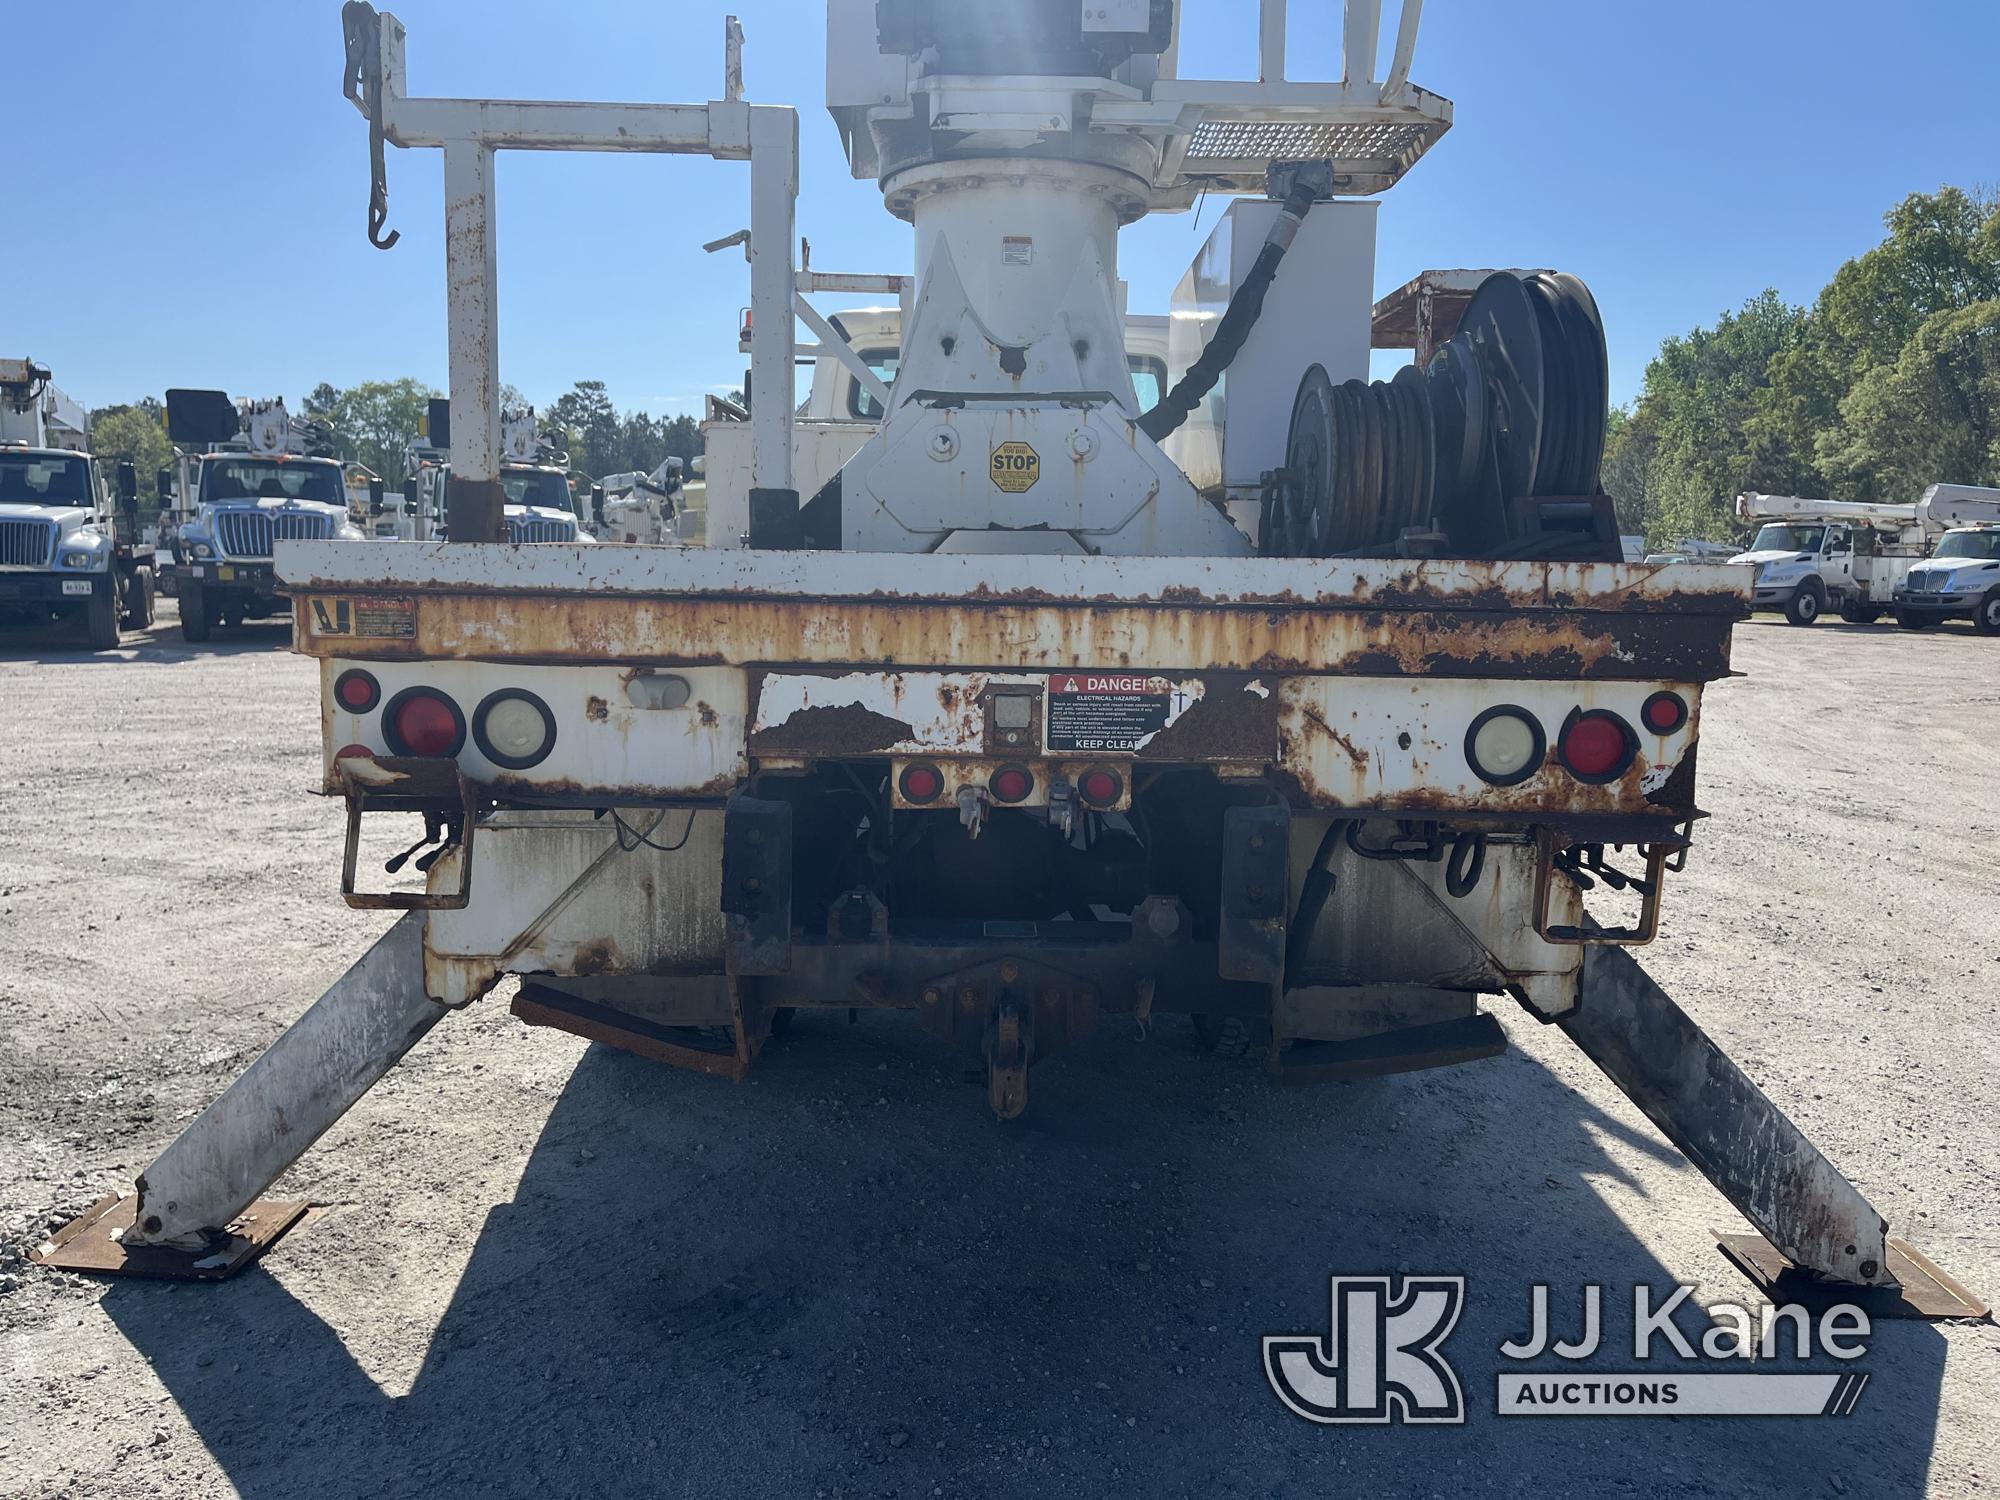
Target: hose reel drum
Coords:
[[1490, 450]]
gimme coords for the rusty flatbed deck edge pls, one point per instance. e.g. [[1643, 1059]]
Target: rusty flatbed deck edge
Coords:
[[975, 579], [670, 606]]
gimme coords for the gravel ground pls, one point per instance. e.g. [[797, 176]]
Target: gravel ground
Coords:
[[543, 1267]]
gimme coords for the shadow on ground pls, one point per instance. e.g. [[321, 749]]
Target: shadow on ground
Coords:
[[848, 1279]]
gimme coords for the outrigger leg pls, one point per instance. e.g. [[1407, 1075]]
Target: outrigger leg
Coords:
[[1820, 1238], [196, 1212]]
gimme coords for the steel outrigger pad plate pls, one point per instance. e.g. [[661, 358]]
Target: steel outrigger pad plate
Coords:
[[1925, 1292], [93, 1243]]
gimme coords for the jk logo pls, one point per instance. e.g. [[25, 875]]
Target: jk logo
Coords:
[[1379, 1361]]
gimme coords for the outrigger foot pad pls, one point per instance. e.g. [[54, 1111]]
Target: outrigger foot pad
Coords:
[[94, 1242], [1923, 1291]]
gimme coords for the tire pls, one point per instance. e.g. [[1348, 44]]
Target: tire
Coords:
[[1859, 614], [1233, 1036], [195, 623], [139, 600], [101, 621], [1908, 621], [1804, 607]]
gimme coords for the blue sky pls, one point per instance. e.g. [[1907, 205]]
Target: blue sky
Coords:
[[194, 211]]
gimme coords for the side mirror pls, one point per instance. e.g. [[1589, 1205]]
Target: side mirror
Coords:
[[163, 482], [128, 482], [597, 503], [374, 497], [410, 492]]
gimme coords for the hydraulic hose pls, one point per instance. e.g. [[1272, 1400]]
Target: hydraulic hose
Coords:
[[1234, 330]]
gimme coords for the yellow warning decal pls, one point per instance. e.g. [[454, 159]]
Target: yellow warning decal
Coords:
[[1016, 467]]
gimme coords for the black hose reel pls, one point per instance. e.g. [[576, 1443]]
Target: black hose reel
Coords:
[[1492, 450]]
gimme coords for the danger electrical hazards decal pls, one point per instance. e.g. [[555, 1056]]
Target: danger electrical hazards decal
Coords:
[[1099, 712]]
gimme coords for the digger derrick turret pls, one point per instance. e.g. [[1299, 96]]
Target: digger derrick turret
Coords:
[[1311, 707]]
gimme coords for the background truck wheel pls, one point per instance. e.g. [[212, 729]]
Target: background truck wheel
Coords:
[[101, 621], [1860, 614], [1233, 1036], [1911, 622], [1803, 608], [194, 613], [139, 600], [1986, 618]]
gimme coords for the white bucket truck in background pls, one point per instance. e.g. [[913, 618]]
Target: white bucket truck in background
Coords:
[[1812, 555], [251, 474], [1961, 578], [539, 505], [68, 556]]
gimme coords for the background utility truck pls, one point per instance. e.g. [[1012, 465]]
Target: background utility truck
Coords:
[[250, 475], [1961, 578], [69, 557], [1809, 555], [1013, 730], [540, 504]]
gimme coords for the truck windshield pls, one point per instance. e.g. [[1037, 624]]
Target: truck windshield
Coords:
[[536, 487], [1149, 378], [44, 479], [273, 479], [883, 362], [1789, 539], [1980, 544]]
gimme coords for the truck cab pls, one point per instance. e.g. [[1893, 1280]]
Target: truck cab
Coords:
[[1961, 578], [540, 502], [68, 559], [251, 475], [1810, 555], [1959, 581]]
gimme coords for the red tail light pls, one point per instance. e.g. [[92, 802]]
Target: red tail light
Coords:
[[422, 721], [1100, 788], [356, 691], [1011, 784], [1596, 746], [921, 783], [1664, 713]]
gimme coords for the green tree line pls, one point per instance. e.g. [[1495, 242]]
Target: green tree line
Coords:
[[375, 423], [1888, 383]]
